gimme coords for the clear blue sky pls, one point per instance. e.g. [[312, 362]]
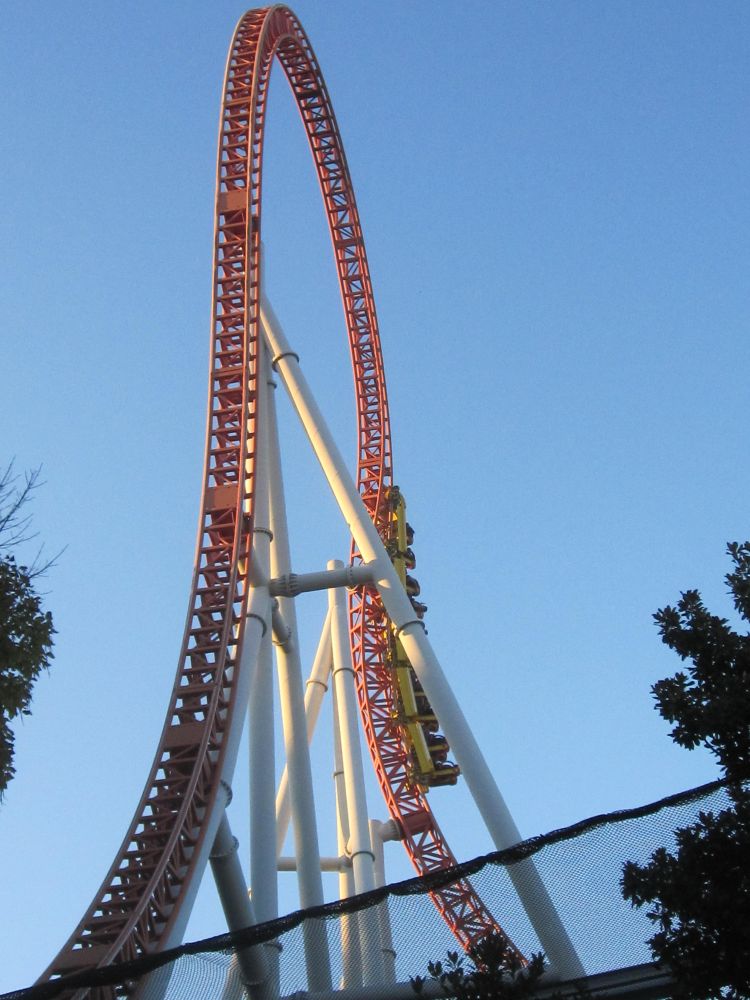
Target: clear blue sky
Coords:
[[555, 202]]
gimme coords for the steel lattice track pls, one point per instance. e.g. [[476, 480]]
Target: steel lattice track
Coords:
[[138, 904]]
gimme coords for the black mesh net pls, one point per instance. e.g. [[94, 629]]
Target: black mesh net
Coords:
[[580, 865]]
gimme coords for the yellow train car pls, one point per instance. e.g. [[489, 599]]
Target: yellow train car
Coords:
[[419, 726]]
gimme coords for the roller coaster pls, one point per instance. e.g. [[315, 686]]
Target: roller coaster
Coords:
[[373, 647]]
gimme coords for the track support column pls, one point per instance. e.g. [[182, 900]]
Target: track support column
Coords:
[[359, 847], [379, 833], [263, 787], [292, 700], [351, 945]]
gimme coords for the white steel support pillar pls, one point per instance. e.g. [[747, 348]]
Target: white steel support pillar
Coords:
[[293, 714], [315, 689], [479, 779], [351, 952], [263, 787], [262, 782], [359, 847], [224, 862], [377, 838]]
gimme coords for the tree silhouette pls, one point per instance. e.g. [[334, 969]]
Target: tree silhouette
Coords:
[[699, 893], [495, 972], [26, 630]]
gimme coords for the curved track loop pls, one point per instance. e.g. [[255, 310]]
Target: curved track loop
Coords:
[[136, 908]]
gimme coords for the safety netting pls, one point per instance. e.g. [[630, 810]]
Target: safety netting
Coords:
[[580, 865]]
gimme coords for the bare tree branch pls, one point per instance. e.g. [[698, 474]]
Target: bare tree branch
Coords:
[[16, 491], [13, 498]]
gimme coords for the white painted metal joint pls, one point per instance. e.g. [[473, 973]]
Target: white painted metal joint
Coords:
[[218, 855], [228, 789], [360, 573], [342, 670], [390, 830], [259, 618], [351, 576], [364, 851], [339, 863], [283, 354], [282, 633], [284, 586], [412, 621]]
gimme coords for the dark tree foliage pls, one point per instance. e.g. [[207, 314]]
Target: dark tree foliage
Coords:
[[699, 894], [495, 971], [25, 629]]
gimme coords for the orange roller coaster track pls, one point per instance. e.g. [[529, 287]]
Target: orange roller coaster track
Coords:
[[142, 904]]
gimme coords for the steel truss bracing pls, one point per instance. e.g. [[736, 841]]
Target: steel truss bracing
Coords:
[[144, 901]]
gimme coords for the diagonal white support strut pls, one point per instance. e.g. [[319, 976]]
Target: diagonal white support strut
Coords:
[[258, 978], [479, 778]]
